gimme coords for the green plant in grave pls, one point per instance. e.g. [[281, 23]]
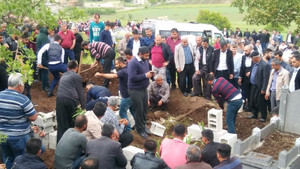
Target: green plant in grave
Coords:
[[158, 143], [201, 124], [78, 111]]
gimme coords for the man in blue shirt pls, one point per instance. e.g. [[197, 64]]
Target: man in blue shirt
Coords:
[[105, 35], [149, 39], [122, 75], [95, 28], [95, 94], [16, 112], [138, 81]]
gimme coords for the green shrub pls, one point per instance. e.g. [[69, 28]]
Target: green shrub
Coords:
[[214, 18], [270, 28]]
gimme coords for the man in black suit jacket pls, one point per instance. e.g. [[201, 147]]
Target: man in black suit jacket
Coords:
[[222, 63], [202, 66], [106, 149], [209, 152], [295, 79], [247, 34], [225, 33], [238, 32], [244, 77], [259, 78]]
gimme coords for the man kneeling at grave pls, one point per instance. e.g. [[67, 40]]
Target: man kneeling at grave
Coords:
[[158, 93], [111, 118], [140, 159], [31, 159], [95, 94]]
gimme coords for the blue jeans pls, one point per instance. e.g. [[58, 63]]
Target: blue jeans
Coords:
[[69, 54], [13, 147], [232, 109], [55, 70], [77, 162], [126, 104], [90, 105]]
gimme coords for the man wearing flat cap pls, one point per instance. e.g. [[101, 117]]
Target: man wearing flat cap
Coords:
[[259, 77]]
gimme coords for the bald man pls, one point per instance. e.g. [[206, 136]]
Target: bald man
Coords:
[[122, 45], [160, 55]]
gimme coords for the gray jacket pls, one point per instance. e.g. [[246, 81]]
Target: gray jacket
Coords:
[[179, 56], [164, 91]]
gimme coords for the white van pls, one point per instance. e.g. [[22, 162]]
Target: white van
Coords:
[[163, 27]]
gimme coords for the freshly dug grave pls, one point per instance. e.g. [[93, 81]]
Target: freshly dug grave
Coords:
[[180, 109], [276, 142]]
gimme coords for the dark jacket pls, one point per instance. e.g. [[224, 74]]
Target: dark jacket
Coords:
[[167, 53], [70, 86], [209, 56], [209, 154], [77, 47], [147, 160], [262, 75], [216, 59], [297, 81], [27, 161], [42, 39], [108, 152], [130, 43], [247, 34], [3, 76], [243, 68]]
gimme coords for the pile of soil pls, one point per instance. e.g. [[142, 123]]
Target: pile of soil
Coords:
[[45, 104], [276, 142], [194, 108]]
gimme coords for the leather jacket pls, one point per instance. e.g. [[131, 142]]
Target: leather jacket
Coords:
[[147, 160]]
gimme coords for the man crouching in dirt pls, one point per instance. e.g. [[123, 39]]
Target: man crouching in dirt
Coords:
[[224, 90]]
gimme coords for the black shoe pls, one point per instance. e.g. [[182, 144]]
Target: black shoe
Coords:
[[46, 89], [143, 134], [185, 94], [147, 131], [194, 94], [50, 94], [252, 117], [262, 120]]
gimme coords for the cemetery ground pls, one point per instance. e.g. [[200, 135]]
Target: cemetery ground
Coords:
[[180, 109]]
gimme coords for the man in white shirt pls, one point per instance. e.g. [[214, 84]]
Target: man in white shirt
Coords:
[[222, 63], [295, 79]]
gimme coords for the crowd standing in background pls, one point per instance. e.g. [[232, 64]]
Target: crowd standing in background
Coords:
[[245, 69]]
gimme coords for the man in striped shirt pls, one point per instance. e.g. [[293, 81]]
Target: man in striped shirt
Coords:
[[101, 50], [223, 90], [16, 112]]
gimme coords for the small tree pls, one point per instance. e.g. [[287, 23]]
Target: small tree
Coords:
[[263, 12], [214, 18]]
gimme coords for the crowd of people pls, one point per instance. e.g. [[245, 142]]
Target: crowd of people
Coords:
[[240, 69]]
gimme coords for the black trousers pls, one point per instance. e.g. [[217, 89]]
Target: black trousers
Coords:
[[125, 138], [223, 73], [173, 72], [109, 57], [258, 102], [187, 72], [154, 100], [139, 100], [65, 109]]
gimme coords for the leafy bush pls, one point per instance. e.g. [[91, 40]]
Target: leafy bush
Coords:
[[214, 18], [269, 27]]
